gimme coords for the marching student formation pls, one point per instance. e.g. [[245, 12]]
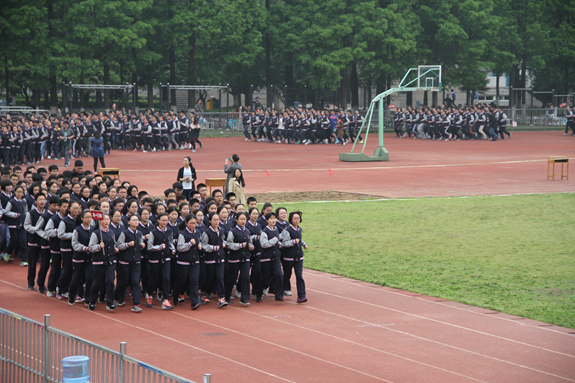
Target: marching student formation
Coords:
[[29, 139], [99, 240], [445, 124]]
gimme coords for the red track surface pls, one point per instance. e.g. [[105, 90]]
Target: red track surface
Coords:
[[349, 331], [416, 168]]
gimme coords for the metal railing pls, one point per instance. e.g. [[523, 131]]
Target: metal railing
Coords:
[[32, 352]]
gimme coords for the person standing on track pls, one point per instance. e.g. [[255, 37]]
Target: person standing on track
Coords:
[[187, 176], [230, 168]]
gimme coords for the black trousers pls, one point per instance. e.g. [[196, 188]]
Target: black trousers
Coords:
[[96, 163], [255, 273], [67, 270], [18, 243], [144, 273], [128, 274], [297, 267], [83, 271], [45, 257], [214, 273], [243, 268], [271, 269], [104, 275], [157, 270], [503, 131], [188, 274], [33, 255], [55, 270]]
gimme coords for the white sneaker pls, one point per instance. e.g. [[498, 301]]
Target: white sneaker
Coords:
[[247, 139], [288, 293], [153, 150], [193, 150], [265, 293]]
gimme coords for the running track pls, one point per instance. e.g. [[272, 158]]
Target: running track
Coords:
[[416, 168], [349, 331]]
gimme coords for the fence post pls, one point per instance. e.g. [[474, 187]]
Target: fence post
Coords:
[[220, 97], [272, 96], [286, 97], [207, 378], [45, 352], [71, 97], [135, 92], [305, 96], [123, 346]]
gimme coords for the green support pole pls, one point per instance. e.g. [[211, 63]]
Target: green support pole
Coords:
[[381, 152]]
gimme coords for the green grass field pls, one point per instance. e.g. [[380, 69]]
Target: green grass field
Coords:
[[514, 254]]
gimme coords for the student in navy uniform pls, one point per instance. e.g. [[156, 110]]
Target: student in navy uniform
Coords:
[[270, 259], [130, 243], [15, 211], [293, 245], [239, 242], [188, 264], [45, 255], [65, 232], [214, 246], [32, 225], [255, 231], [82, 259], [103, 249], [145, 227], [51, 231], [161, 250]]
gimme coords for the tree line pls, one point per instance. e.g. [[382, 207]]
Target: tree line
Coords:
[[326, 44]]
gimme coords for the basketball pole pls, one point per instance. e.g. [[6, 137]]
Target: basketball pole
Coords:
[[381, 153]]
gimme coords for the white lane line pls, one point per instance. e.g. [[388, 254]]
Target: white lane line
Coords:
[[283, 347], [356, 168], [442, 322], [320, 274], [169, 338], [411, 335], [360, 344]]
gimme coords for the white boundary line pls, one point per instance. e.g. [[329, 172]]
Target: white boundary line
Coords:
[[309, 307], [357, 168], [442, 322], [165, 337], [317, 272]]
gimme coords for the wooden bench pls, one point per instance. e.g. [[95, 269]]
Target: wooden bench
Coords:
[[215, 182], [557, 160], [112, 172]]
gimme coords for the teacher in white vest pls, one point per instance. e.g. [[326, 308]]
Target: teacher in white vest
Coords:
[[187, 176]]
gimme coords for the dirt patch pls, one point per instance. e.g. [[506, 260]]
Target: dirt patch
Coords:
[[329, 195]]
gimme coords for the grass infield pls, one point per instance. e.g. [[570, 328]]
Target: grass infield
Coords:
[[514, 254]]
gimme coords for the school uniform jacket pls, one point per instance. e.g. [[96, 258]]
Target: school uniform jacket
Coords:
[[81, 243], [31, 225], [15, 211], [65, 231], [189, 252], [155, 241], [270, 244], [210, 239], [236, 237], [291, 250], [51, 231], [42, 224], [130, 254], [107, 254]]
